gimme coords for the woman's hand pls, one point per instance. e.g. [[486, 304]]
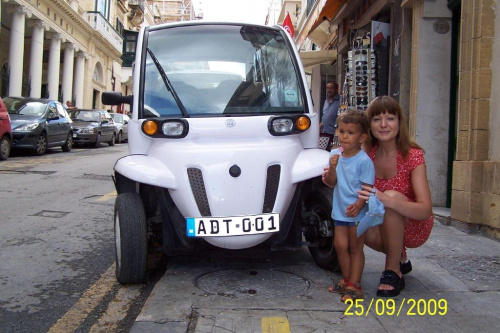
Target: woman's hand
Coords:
[[364, 194]]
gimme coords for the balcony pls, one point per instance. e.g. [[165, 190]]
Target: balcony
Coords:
[[134, 4], [100, 24]]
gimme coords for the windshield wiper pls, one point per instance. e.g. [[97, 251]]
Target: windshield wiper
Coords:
[[167, 83]]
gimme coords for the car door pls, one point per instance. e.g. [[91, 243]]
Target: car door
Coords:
[[65, 121], [126, 119], [54, 128]]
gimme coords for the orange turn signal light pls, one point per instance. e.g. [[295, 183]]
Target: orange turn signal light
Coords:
[[303, 123], [150, 127]]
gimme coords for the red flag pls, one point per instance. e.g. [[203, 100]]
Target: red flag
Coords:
[[288, 25]]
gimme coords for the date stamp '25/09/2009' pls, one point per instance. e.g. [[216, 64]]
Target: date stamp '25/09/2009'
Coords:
[[389, 307]]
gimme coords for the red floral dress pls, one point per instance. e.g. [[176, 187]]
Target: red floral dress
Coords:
[[416, 232]]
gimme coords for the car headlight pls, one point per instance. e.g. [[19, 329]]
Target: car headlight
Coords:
[[286, 125], [27, 127], [170, 128], [88, 130]]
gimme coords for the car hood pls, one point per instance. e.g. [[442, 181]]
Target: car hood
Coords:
[[80, 123], [21, 119]]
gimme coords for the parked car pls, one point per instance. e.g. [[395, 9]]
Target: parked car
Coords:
[[223, 148], [39, 124], [93, 127], [5, 132], [121, 121]]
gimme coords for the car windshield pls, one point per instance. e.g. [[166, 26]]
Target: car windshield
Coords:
[[25, 107], [118, 118], [90, 116], [219, 70]]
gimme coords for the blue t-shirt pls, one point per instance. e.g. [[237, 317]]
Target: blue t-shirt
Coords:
[[352, 172]]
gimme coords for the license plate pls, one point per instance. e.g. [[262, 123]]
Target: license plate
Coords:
[[232, 226], [74, 135]]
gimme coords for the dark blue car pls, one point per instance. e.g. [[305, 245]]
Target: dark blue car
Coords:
[[39, 124]]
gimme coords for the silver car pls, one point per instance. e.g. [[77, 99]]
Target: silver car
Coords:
[[121, 122]]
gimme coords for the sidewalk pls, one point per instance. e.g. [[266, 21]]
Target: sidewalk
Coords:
[[454, 287]]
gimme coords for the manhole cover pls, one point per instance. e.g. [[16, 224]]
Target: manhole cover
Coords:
[[247, 283]]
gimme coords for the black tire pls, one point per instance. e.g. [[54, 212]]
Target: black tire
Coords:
[[97, 143], [41, 145], [113, 139], [66, 147], [119, 138], [4, 148], [319, 203], [131, 240]]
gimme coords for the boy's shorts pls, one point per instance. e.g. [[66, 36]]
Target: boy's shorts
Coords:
[[338, 223]]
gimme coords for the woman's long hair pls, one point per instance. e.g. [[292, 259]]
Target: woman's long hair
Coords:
[[387, 104]]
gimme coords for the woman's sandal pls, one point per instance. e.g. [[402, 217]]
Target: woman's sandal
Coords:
[[338, 287], [352, 293], [405, 267], [392, 279]]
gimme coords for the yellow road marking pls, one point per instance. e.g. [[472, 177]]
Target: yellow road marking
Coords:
[[117, 309], [86, 304], [275, 325], [107, 196]]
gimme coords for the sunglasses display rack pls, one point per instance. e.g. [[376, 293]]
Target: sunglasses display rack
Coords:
[[362, 75]]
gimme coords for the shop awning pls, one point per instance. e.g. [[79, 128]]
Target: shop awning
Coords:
[[318, 24], [314, 58]]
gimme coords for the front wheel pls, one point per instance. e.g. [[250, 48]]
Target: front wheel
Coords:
[[131, 240], [41, 145], [4, 148], [97, 143], [318, 211], [113, 139], [66, 147]]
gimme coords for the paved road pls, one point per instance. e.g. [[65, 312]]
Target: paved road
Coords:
[[57, 243]]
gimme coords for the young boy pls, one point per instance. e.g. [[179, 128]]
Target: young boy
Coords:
[[350, 167]]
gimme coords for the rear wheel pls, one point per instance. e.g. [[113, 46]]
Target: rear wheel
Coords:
[[131, 241], [68, 144], [320, 230], [41, 145], [4, 148]]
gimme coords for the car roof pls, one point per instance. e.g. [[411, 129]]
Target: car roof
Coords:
[[32, 99]]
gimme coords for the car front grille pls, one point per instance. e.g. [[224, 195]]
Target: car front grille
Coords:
[[198, 188], [200, 195], [272, 184]]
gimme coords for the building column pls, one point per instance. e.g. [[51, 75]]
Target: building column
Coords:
[[67, 73], [79, 78], [16, 50], [36, 58], [54, 66]]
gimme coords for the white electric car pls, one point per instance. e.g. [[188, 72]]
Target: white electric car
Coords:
[[223, 146]]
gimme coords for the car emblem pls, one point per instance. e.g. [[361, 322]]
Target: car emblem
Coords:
[[230, 123]]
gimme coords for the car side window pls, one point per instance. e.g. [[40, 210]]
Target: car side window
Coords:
[[52, 110], [61, 112]]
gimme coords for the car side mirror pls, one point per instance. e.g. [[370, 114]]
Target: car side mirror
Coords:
[[115, 98]]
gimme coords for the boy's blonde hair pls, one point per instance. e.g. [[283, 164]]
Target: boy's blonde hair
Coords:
[[355, 117]]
